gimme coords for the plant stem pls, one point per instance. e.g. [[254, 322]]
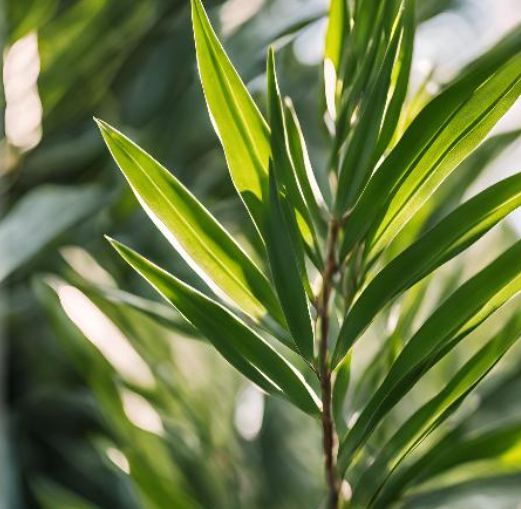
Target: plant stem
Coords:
[[328, 430]]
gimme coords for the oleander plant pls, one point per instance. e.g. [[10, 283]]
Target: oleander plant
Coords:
[[348, 295]]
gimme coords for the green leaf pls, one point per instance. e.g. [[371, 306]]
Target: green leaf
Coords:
[[357, 165], [287, 276], [236, 342], [240, 126], [449, 237], [461, 313], [399, 81], [340, 387], [499, 447], [283, 164], [300, 157], [427, 418], [447, 130], [336, 35], [209, 250], [40, 217]]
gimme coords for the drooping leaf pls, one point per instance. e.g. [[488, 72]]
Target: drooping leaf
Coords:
[[286, 274], [458, 315], [240, 126], [209, 250], [236, 342], [449, 237]]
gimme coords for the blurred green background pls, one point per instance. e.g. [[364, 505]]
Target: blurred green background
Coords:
[[98, 382]]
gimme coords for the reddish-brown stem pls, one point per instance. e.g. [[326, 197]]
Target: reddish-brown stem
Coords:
[[328, 430]]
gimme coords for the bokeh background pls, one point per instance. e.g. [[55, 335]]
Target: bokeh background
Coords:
[[97, 382]]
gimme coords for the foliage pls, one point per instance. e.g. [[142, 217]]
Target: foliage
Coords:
[[366, 251]]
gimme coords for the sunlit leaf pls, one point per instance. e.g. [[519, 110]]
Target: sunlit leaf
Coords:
[[191, 229], [242, 130], [236, 342]]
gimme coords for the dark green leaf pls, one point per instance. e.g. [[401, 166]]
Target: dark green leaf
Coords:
[[448, 238], [287, 276], [461, 313]]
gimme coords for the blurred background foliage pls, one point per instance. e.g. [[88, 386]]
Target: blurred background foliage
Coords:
[[109, 400]]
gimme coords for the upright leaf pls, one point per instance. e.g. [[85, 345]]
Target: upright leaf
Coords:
[[399, 80], [286, 274], [236, 342], [299, 154], [441, 136], [357, 164], [239, 124], [192, 230], [283, 164], [337, 30]]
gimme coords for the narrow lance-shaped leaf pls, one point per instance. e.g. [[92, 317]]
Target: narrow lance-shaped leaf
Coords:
[[192, 230], [286, 274], [450, 236], [340, 388], [399, 81], [461, 313], [283, 163], [239, 344], [240, 126], [434, 412], [500, 446], [337, 30], [441, 136], [356, 166], [300, 157]]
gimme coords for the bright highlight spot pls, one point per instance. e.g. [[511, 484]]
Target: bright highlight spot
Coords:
[[118, 458], [23, 110], [103, 334], [141, 413], [236, 12], [249, 412]]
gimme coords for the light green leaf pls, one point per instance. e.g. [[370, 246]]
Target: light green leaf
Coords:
[[40, 217], [338, 28], [209, 250], [461, 313], [287, 276], [498, 448], [447, 130], [240, 126], [449, 237], [236, 342]]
